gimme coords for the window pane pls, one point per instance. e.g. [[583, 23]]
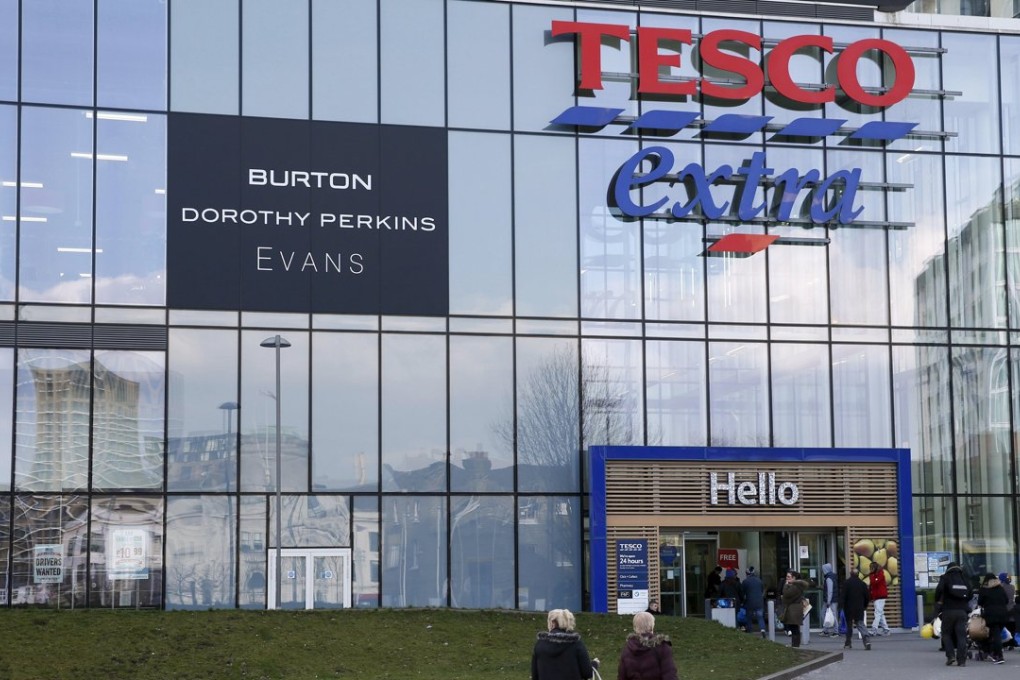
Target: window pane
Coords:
[[365, 566], [128, 408], [258, 417], [48, 528], [916, 267], [798, 290], [312, 522], [986, 535], [204, 69], [481, 414], [674, 269], [131, 211], [345, 419], [275, 65], [52, 438], [542, 89], [478, 65], [126, 552], [800, 395], [610, 247], [1011, 189], [9, 50], [936, 528], [203, 410], [923, 415], [481, 269], [56, 220], [482, 563], [857, 257], [548, 432], [412, 70], [739, 394], [254, 551], [973, 115], [414, 563], [414, 413], [56, 52], [6, 426], [611, 389], [132, 54], [201, 566], [676, 393], [345, 61], [549, 545], [545, 249], [976, 292], [860, 394], [982, 432], [8, 200]]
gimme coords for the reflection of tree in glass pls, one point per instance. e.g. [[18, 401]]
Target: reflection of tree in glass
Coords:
[[548, 419]]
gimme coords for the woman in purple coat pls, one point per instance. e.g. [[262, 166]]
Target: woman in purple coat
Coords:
[[646, 656]]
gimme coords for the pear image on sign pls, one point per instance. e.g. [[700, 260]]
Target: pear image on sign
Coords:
[[881, 551]]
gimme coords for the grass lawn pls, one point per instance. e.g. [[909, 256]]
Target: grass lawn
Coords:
[[433, 643]]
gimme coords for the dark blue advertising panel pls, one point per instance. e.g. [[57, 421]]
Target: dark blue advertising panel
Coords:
[[631, 575], [306, 216]]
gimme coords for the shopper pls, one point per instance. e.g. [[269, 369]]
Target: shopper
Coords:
[[853, 600], [752, 592], [559, 653], [792, 598], [994, 603], [830, 596], [714, 581], [879, 591], [730, 588], [952, 595], [646, 655], [1007, 586]]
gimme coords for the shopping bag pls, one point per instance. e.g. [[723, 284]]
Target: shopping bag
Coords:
[[977, 629], [842, 624], [829, 620], [936, 626]]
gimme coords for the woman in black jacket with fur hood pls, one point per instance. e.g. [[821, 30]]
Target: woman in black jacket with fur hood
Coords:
[[994, 605], [559, 653]]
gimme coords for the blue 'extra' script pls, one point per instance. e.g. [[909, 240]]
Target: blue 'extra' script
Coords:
[[754, 173]]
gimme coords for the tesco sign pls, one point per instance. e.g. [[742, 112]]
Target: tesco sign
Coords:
[[712, 48]]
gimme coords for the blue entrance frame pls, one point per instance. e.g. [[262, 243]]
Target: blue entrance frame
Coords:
[[600, 455]]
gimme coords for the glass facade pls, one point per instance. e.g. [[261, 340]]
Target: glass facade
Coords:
[[448, 452]]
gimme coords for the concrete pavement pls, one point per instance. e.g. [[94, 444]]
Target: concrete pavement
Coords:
[[902, 655]]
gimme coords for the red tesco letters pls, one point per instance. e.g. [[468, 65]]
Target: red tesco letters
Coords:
[[651, 62]]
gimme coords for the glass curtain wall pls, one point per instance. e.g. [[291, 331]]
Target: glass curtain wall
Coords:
[[449, 454]]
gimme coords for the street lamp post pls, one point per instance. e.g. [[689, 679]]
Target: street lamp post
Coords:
[[278, 343]]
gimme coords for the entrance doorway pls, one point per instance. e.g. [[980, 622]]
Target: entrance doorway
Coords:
[[685, 561], [813, 549], [313, 578]]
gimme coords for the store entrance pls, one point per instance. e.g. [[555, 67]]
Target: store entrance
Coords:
[[313, 578], [686, 558]]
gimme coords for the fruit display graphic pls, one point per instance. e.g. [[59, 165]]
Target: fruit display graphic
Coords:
[[883, 551]]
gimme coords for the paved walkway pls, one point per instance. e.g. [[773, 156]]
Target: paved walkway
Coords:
[[903, 656]]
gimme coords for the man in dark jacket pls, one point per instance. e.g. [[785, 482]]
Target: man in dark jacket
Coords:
[[853, 600], [752, 592], [730, 588], [952, 596]]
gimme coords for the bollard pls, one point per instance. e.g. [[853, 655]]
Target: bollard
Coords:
[[921, 618], [772, 620]]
